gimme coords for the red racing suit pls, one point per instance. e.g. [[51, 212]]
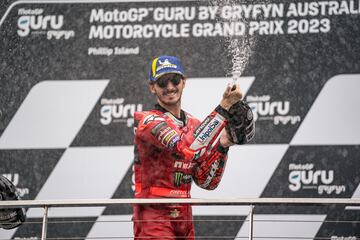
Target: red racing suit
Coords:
[[169, 154]]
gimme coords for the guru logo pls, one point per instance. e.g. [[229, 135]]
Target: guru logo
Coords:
[[304, 176], [309, 178], [115, 110], [39, 23], [276, 111], [34, 21]]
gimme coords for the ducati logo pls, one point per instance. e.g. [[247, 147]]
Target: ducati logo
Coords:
[[174, 213]]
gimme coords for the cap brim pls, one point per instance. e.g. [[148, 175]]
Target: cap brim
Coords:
[[161, 74]]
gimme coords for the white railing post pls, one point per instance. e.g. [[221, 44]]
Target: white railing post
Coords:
[[44, 225], [251, 222]]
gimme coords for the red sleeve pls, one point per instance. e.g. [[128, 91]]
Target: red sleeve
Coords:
[[161, 132], [156, 130], [209, 169]]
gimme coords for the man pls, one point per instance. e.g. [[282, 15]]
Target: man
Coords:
[[172, 148]]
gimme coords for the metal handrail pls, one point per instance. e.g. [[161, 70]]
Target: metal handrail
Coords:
[[46, 204], [192, 201]]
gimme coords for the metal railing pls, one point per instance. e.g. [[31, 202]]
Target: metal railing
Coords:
[[251, 202]]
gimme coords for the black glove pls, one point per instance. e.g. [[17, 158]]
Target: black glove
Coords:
[[241, 126], [14, 217]]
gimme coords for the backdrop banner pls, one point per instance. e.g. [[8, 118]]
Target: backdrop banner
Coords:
[[72, 74]]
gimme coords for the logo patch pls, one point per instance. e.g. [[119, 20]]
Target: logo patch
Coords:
[[208, 130], [155, 130], [202, 126], [165, 64], [151, 118], [181, 178]]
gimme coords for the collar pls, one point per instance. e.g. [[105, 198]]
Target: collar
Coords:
[[179, 121]]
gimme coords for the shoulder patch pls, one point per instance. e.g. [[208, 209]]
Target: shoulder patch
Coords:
[[151, 118], [155, 130]]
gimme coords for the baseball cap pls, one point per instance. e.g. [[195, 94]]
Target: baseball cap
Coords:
[[165, 64]]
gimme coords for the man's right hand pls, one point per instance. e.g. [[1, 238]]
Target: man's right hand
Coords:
[[231, 96]]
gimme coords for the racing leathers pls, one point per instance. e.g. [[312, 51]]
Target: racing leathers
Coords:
[[169, 154]]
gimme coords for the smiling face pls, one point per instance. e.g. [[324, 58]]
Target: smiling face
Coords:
[[168, 89]]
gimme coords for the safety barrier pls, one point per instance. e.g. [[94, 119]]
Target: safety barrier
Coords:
[[251, 202]]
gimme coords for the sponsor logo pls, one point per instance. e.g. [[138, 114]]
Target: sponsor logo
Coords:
[[178, 193], [178, 178], [208, 130], [165, 64], [173, 141], [35, 22], [263, 109], [202, 126], [151, 118], [250, 115], [155, 130], [116, 111], [163, 132], [170, 138], [343, 238], [14, 178], [211, 175], [187, 178], [184, 165], [304, 176]]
